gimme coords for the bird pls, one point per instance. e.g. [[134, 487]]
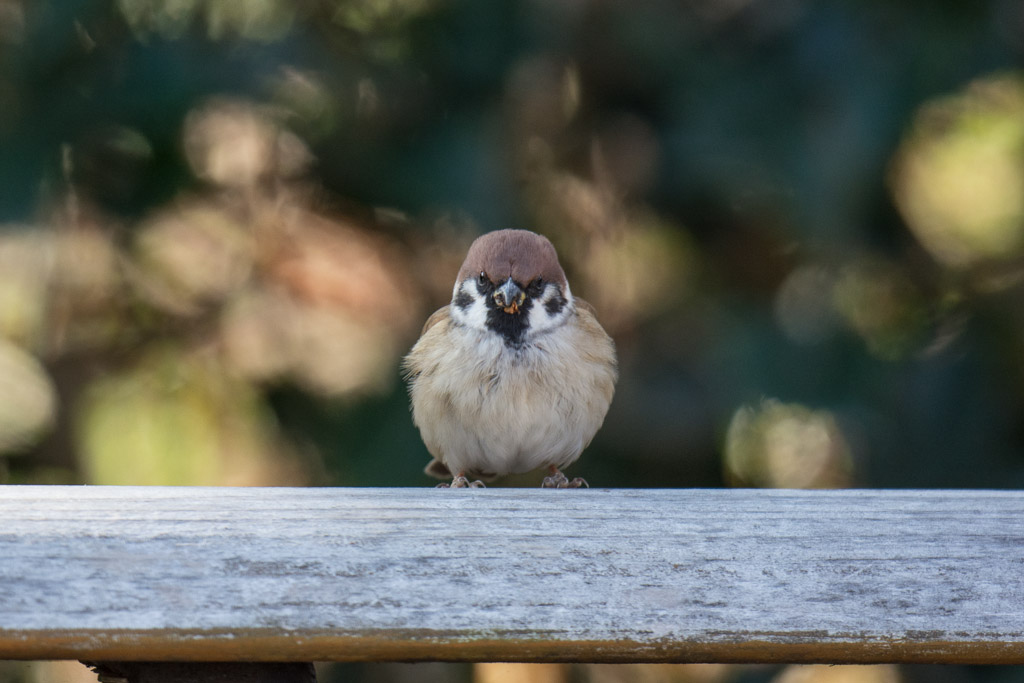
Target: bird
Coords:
[[516, 373]]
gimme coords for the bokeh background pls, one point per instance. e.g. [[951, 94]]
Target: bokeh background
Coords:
[[222, 223]]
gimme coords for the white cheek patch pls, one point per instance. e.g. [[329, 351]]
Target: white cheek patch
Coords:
[[545, 315], [468, 307]]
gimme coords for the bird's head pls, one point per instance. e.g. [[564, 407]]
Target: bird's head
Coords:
[[511, 284]]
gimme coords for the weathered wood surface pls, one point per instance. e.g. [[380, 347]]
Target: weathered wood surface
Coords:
[[104, 573]]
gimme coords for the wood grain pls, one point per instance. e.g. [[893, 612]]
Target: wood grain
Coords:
[[214, 574]]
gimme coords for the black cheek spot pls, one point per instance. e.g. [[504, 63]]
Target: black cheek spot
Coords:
[[462, 300], [555, 304]]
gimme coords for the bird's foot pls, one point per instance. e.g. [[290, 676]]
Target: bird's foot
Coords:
[[461, 482], [557, 480]]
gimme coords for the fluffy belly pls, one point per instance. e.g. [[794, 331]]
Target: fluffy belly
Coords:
[[519, 439], [501, 435], [504, 412]]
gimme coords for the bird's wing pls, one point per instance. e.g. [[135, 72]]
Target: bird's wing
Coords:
[[412, 363], [581, 303], [437, 469], [435, 317]]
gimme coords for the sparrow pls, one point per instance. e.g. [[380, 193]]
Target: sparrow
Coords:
[[515, 374]]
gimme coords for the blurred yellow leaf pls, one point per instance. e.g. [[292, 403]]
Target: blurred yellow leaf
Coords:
[[780, 445], [957, 177], [26, 261], [28, 400], [174, 419]]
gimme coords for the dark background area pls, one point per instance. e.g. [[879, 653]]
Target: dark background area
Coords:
[[222, 223]]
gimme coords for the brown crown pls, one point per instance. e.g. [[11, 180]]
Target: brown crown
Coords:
[[520, 254]]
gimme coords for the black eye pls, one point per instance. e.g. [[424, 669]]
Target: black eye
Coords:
[[482, 278], [536, 287]]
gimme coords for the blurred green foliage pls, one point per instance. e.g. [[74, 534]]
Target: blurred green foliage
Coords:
[[223, 221]]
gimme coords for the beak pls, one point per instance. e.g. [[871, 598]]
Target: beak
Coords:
[[509, 297]]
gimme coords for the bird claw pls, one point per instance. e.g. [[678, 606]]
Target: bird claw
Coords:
[[557, 480], [461, 482]]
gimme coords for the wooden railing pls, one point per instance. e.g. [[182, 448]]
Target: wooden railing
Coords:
[[112, 574]]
